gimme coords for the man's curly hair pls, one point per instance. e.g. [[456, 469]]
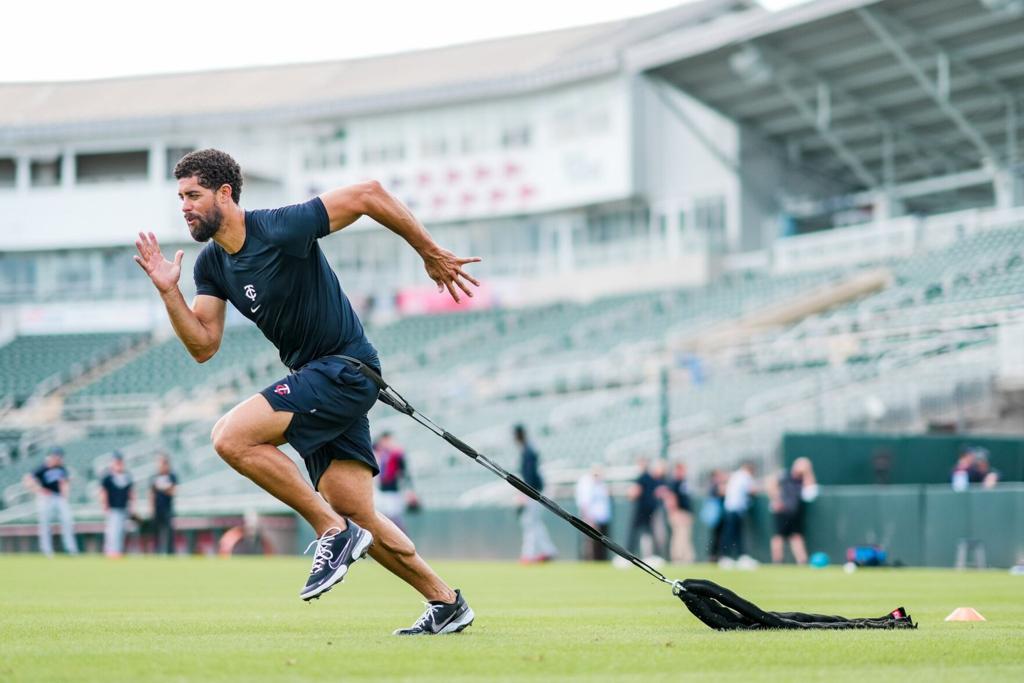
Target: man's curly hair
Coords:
[[212, 168]]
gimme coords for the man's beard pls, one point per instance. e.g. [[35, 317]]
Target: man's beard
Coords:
[[206, 226]]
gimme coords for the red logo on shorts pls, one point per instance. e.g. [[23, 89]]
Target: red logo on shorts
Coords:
[[282, 389]]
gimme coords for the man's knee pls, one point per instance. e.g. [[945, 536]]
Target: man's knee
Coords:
[[229, 442]]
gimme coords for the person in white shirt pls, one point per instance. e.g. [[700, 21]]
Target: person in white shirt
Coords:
[[738, 491], [594, 503]]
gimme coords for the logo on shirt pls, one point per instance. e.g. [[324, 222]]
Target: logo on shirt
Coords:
[[250, 293], [282, 390]]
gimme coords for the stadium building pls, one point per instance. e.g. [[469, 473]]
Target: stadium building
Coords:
[[701, 229]]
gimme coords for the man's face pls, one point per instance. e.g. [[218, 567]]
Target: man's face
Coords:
[[163, 466], [52, 460], [117, 466], [199, 205]]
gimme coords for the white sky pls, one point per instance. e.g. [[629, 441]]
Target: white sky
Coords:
[[59, 40]]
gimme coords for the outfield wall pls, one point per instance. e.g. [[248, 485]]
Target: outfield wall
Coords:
[[918, 525], [847, 459]]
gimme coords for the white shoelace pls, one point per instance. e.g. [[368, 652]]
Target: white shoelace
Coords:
[[431, 608], [323, 552]]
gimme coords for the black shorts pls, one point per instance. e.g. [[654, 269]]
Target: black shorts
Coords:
[[329, 399], [789, 523]]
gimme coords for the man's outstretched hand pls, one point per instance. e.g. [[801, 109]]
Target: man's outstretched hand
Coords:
[[445, 269], [162, 272]]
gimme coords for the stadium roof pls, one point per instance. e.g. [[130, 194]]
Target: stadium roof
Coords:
[[870, 93], [459, 72]]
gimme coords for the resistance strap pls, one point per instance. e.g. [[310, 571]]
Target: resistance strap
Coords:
[[716, 606], [392, 398]]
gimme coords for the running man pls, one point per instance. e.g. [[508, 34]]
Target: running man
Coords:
[[268, 264]]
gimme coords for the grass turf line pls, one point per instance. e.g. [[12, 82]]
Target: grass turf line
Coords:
[[196, 619]]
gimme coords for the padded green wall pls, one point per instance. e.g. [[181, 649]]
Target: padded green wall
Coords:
[[842, 459]]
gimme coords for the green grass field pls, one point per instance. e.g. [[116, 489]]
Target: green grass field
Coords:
[[142, 619]]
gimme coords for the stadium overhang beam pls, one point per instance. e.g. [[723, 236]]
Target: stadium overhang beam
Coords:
[[866, 110], [899, 192], [890, 132], [937, 90], [805, 109]]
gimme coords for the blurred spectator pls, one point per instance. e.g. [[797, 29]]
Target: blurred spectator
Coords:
[[116, 499], [738, 490], [595, 505], [989, 476], [788, 494], [881, 464], [647, 522], [972, 467], [676, 496], [712, 513], [394, 482], [964, 470], [537, 545], [52, 487], [161, 497]]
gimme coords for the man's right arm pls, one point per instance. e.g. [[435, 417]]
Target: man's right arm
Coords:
[[201, 326]]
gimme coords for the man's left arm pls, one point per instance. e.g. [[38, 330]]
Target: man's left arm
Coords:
[[346, 204]]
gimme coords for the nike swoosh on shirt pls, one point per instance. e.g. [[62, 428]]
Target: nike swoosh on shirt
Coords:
[[255, 308]]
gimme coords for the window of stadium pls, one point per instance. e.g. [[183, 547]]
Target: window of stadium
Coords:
[[516, 136], [112, 167], [174, 155], [709, 218], [8, 172], [434, 147], [46, 173], [17, 275], [382, 153]]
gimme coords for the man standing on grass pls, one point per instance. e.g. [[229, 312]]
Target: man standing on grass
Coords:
[[268, 264], [52, 487], [116, 497], [537, 544], [161, 498]]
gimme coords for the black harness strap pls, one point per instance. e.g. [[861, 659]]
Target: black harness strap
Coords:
[[716, 606], [392, 398]]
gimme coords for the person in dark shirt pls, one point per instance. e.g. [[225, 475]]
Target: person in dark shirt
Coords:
[[52, 487], [646, 496], [788, 494], [676, 497], [712, 513], [116, 498], [161, 496], [269, 265], [537, 545], [394, 482]]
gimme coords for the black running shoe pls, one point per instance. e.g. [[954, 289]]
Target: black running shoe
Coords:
[[441, 618], [335, 552]]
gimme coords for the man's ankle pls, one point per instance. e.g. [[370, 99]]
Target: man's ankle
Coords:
[[340, 523]]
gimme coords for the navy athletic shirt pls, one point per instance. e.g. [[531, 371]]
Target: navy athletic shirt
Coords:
[[51, 477], [280, 279], [117, 486], [529, 465], [163, 502]]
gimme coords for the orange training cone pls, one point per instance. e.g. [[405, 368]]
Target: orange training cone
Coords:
[[965, 614]]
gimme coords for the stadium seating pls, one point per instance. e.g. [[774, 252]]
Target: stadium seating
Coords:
[[27, 361], [167, 366], [583, 376]]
